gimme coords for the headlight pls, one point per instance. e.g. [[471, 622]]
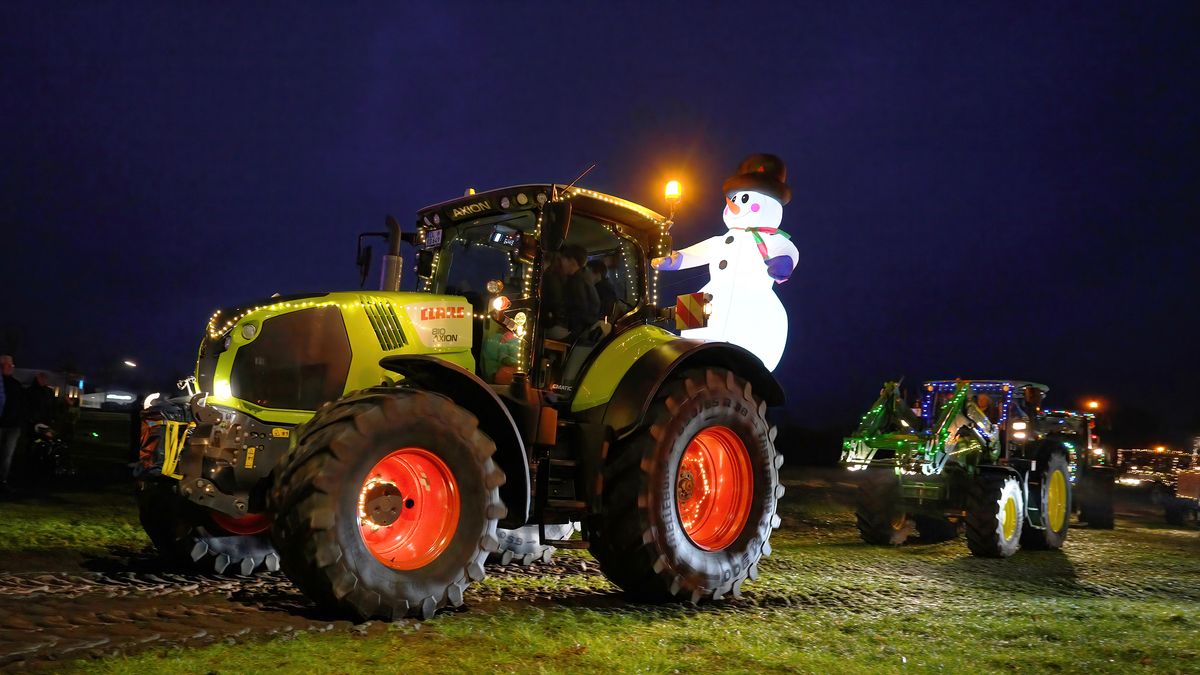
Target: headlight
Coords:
[[1130, 481], [222, 390], [1019, 435], [1017, 426]]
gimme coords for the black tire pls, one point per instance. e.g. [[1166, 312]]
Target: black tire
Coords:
[[879, 515], [988, 512], [187, 534], [523, 545], [1182, 512], [1052, 535], [1175, 515], [1096, 499], [933, 529], [157, 506], [639, 538], [317, 490]]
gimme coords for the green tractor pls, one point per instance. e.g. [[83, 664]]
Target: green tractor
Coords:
[[378, 446], [1093, 467], [979, 453]]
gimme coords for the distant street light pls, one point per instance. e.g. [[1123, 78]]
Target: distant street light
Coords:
[[1093, 405], [131, 364], [1160, 448]]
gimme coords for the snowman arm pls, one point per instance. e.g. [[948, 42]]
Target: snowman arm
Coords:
[[693, 256], [782, 257], [782, 246]]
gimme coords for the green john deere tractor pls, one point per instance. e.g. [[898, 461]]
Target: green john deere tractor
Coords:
[[1093, 466], [980, 453], [379, 445]]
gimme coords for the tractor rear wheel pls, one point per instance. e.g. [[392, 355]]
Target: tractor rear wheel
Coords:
[[1096, 499], [189, 534], [689, 500], [1053, 494], [880, 516], [1181, 512], [388, 504], [995, 515]]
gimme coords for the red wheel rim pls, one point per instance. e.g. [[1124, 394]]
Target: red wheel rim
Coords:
[[408, 508], [251, 523], [714, 488]]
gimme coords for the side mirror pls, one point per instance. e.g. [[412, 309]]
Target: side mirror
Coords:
[[364, 263], [556, 222], [425, 264]]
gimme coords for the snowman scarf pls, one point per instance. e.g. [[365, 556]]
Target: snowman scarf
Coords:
[[758, 239]]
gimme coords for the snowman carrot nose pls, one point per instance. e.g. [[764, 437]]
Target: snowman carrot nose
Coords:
[[732, 206]]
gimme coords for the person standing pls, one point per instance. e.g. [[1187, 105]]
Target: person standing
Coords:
[[12, 417], [41, 402], [604, 287]]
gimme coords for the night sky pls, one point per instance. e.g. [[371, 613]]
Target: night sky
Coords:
[[1010, 191]]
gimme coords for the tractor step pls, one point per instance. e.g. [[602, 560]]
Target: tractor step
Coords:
[[566, 543]]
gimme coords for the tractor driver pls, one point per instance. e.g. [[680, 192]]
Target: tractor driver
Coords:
[[580, 304], [1033, 400], [984, 403]]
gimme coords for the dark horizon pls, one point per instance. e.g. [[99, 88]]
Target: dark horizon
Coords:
[[977, 191]]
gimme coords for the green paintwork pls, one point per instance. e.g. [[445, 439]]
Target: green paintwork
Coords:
[[365, 345], [610, 367]]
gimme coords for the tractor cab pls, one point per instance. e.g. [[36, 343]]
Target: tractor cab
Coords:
[[506, 252], [999, 410]]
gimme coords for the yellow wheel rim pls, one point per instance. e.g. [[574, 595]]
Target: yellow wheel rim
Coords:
[[1056, 500], [1010, 518]]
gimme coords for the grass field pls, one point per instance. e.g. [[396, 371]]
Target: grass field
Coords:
[[1112, 601]]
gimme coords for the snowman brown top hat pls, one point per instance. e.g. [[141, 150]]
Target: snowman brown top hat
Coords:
[[761, 173]]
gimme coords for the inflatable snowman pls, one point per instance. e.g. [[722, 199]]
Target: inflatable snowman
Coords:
[[746, 262]]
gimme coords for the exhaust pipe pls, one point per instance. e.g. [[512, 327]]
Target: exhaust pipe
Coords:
[[393, 264]]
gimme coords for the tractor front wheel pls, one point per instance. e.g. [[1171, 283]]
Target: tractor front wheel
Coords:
[[189, 534], [689, 500], [880, 516], [388, 504], [995, 515], [1053, 492]]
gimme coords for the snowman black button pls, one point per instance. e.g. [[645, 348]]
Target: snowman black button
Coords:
[[729, 239], [724, 264]]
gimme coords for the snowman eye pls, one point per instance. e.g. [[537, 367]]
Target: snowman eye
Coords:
[[745, 198]]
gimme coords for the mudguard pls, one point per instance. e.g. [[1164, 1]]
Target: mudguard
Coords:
[[641, 383], [473, 394]]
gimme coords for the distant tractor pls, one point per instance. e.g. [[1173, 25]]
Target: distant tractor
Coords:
[[379, 445], [1170, 477], [980, 453]]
